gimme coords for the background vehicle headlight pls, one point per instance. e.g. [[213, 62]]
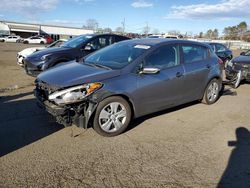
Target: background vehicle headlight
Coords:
[[74, 94]]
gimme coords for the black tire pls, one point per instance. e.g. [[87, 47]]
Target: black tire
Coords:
[[215, 93], [26, 42], [41, 42], [105, 104]]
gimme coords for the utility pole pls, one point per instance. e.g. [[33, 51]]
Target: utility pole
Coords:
[[146, 29], [123, 26]]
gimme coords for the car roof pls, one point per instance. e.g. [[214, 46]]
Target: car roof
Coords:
[[104, 34], [158, 41], [210, 43]]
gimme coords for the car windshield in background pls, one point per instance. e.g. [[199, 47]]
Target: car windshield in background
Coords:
[[116, 56], [247, 53], [57, 43], [76, 41]]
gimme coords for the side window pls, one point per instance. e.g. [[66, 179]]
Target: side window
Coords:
[[194, 53], [99, 43], [220, 48], [163, 57], [119, 38]]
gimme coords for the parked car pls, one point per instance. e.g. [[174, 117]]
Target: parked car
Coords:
[[12, 39], [28, 51], [127, 80], [155, 36], [35, 40], [2, 37], [238, 69], [76, 48], [222, 52]]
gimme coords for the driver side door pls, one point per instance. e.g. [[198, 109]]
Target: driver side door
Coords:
[[164, 89]]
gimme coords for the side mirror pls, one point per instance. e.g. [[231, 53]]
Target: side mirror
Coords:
[[243, 53], [148, 70]]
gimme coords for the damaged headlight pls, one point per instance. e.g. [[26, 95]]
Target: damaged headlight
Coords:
[[74, 94]]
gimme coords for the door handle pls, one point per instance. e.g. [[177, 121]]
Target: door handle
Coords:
[[179, 74]]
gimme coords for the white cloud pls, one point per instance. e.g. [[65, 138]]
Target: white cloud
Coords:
[[83, 1], [224, 9], [141, 4], [28, 7]]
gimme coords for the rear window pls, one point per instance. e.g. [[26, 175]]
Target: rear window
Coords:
[[194, 53]]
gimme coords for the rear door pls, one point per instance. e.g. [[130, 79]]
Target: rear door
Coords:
[[164, 89], [196, 61]]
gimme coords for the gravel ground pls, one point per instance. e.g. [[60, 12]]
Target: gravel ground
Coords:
[[193, 145]]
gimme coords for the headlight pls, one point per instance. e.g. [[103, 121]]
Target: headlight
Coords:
[[44, 57], [74, 94]]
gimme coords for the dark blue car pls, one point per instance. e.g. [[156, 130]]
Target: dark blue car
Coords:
[[127, 80]]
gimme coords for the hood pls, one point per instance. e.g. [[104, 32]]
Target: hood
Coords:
[[46, 51], [29, 51], [242, 59], [72, 73]]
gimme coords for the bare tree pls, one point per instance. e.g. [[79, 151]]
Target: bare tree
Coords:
[[146, 30], [91, 24], [107, 30], [174, 32], [119, 30]]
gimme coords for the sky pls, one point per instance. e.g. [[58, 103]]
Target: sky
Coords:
[[186, 16]]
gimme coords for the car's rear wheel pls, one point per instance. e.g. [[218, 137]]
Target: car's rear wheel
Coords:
[[112, 116], [41, 42], [212, 92], [26, 42]]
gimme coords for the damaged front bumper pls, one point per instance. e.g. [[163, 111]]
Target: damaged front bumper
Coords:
[[237, 72], [78, 114]]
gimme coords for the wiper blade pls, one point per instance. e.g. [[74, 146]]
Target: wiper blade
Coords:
[[102, 66], [96, 65]]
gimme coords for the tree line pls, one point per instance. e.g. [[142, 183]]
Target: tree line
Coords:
[[236, 32]]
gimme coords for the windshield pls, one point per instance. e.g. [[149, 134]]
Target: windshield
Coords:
[[117, 55], [247, 53], [76, 41], [57, 43]]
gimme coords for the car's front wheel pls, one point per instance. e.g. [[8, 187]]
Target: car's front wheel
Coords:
[[212, 92], [112, 116]]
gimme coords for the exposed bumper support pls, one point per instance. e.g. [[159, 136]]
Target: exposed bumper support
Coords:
[[78, 114]]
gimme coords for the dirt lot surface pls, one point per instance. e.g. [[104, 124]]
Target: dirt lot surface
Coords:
[[194, 145]]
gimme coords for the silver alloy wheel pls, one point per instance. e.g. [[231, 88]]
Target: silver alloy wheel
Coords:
[[213, 91], [112, 117]]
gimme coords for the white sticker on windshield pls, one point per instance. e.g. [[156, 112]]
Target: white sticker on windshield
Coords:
[[89, 36], [142, 46]]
